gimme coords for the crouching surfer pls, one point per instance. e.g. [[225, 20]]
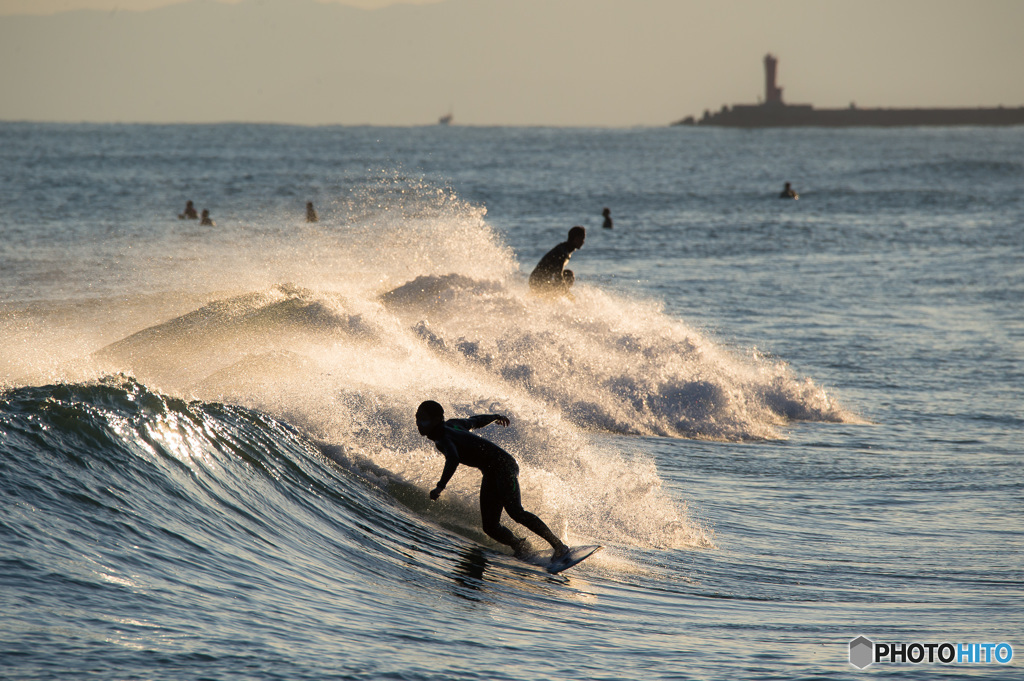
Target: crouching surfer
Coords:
[[550, 277], [499, 488]]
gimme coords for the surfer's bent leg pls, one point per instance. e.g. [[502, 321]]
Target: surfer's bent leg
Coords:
[[513, 504], [490, 513]]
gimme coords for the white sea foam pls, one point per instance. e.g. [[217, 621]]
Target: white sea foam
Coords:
[[415, 297]]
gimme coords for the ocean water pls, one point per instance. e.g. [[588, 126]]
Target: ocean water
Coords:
[[790, 423]]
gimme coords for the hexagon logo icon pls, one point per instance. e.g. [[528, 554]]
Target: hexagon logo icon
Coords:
[[862, 652]]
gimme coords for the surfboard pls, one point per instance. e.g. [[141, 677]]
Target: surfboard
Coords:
[[577, 554]]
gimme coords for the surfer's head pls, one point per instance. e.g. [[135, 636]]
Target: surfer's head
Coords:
[[428, 416], [576, 236]]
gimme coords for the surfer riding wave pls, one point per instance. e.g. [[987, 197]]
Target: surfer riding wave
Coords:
[[499, 489]]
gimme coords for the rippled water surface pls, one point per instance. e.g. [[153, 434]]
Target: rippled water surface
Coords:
[[790, 423]]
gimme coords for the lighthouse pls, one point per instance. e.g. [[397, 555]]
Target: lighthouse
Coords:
[[772, 93]]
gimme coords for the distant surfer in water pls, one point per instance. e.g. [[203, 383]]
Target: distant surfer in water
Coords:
[[190, 212], [608, 224], [311, 215], [788, 192], [207, 220], [499, 488], [548, 276]]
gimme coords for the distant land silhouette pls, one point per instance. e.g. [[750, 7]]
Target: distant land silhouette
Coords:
[[774, 113]]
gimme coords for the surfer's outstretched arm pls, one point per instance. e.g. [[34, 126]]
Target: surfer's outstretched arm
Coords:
[[477, 421]]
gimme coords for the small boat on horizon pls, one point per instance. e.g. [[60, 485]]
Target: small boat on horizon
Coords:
[[446, 119]]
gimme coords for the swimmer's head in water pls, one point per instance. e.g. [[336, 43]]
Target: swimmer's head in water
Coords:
[[429, 414], [576, 236], [568, 278]]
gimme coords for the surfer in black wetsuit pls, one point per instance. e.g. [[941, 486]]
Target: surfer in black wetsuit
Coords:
[[499, 488], [548, 277], [190, 212], [788, 192]]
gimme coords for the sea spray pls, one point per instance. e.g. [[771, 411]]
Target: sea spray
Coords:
[[413, 296]]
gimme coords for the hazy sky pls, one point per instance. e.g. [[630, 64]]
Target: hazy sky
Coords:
[[495, 62], [54, 6]]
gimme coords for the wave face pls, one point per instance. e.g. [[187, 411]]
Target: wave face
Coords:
[[143, 530], [118, 492]]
